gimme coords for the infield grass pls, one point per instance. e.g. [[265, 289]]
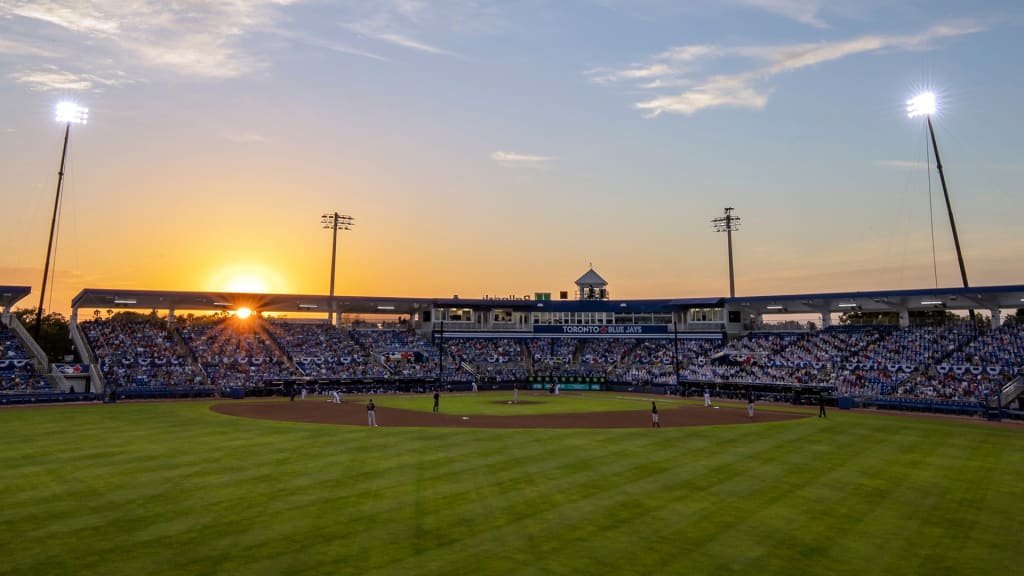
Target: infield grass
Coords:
[[172, 488], [530, 402]]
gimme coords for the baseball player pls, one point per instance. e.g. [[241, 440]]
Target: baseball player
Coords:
[[654, 415], [371, 418], [707, 396]]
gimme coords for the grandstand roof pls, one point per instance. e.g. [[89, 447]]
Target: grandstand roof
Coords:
[[980, 298], [977, 298], [165, 300], [10, 295]]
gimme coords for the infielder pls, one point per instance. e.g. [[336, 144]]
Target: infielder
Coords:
[[707, 396], [370, 417]]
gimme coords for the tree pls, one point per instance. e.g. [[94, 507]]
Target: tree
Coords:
[[54, 335], [869, 318], [917, 317]]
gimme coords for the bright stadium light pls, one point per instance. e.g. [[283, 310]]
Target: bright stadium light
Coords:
[[924, 105], [68, 113], [921, 105]]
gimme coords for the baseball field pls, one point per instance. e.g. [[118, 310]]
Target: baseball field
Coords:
[[179, 488]]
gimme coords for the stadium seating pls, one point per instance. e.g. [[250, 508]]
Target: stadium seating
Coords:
[[233, 352], [321, 350], [957, 362], [17, 372], [137, 351]]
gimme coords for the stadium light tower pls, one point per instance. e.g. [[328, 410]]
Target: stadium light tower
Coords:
[[925, 105], [69, 113], [335, 222], [728, 224]]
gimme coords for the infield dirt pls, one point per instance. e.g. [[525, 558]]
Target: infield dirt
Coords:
[[354, 413]]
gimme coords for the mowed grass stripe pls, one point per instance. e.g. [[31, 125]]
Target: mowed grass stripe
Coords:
[[849, 520], [610, 503]]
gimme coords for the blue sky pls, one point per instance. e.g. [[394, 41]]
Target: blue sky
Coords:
[[500, 147]]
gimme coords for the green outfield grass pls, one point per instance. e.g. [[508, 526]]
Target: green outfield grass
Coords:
[[172, 488]]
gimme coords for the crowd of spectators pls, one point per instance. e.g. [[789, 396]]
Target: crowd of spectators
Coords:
[[321, 350], [601, 356], [404, 353], [952, 361], [17, 372], [137, 350], [955, 361], [647, 361], [488, 359], [234, 352], [554, 356]]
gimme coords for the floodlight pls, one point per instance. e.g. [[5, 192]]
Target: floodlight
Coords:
[[728, 224], [931, 302], [335, 222], [924, 105], [72, 113], [847, 305], [68, 113], [774, 307], [921, 105]]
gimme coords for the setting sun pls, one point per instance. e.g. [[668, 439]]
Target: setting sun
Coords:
[[243, 313]]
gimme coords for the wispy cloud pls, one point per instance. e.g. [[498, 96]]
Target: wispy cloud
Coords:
[[51, 78], [337, 47], [687, 67], [410, 43], [382, 30], [514, 159], [901, 164], [198, 39], [82, 17], [803, 11]]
